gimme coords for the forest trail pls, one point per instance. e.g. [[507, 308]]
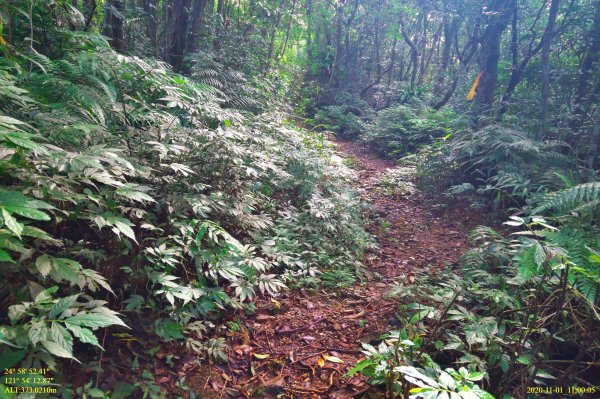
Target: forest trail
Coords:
[[303, 344]]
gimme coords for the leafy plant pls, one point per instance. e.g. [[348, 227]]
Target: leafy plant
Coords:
[[401, 129], [386, 364]]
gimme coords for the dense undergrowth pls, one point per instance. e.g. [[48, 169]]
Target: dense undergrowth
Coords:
[[524, 302], [128, 190], [136, 201]]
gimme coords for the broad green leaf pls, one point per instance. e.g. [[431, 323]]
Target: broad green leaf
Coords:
[[476, 376], [10, 358], [62, 305], [44, 295], [4, 340], [85, 335], [95, 320], [11, 223], [57, 350], [66, 269], [524, 360], [126, 230], [44, 264], [28, 212], [24, 142], [5, 257], [95, 393], [16, 312], [61, 336], [38, 332]]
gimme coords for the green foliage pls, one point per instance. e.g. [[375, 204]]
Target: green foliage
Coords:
[[507, 311], [583, 199], [401, 129], [503, 164], [147, 185], [399, 364], [339, 119]]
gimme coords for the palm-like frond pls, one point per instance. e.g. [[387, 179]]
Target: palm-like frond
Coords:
[[583, 197]]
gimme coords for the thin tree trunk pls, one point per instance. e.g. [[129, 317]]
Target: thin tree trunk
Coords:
[[434, 46], [466, 62], [113, 24], [89, 9], [221, 27], [423, 48], [414, 54], [590, 65], [547, 39], [592, 154], [177, 32], [351, 50], [449, 28], [197, 23], [273, 36], [377, 40], [287, 33], [517, 69], [151, 23], [338, 45]]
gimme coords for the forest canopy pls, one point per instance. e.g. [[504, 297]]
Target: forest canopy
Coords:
[[191, 188]]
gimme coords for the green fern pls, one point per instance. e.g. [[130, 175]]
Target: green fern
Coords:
[[583, 198]]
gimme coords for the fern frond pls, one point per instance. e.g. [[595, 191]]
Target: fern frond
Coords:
[[562, 202]]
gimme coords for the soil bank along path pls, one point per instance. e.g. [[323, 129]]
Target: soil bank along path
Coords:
[[302, 344]]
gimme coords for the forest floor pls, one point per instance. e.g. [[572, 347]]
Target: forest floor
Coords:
[[302, 344]]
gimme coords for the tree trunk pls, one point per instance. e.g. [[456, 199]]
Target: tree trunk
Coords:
[[113, 24], [423, 49], [289, 27], [273, 36], [197, 23], [89, 9], [449, 28], [517, 69], [333, 77], [592, 154], [465, 63], [350, 50], [217, 42], [151, 22], [377, 40], [590, 64], [392, 63], [176, 28], [547, 39], [499, 12], [414, 55]]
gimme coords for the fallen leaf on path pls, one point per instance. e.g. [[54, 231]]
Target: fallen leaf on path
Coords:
[[259, 356], [321, 362], [215, 386], [333, 359], [356, 316], [276, 303]]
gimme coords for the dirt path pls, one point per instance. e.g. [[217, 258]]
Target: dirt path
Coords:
[[277, 351]]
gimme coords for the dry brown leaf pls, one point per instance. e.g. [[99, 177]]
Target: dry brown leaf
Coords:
[[245, 337], [356, 316], [321, 362]]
